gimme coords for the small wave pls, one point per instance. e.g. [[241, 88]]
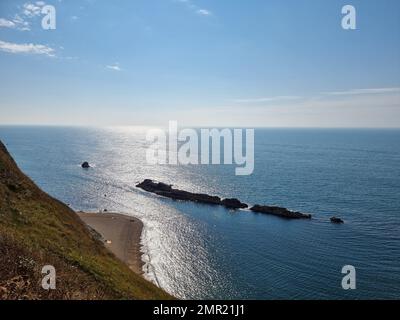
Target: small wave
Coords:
[[148, 268]]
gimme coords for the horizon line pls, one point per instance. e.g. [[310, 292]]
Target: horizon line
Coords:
[[185, 126]]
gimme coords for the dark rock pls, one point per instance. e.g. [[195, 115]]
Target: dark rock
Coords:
[[85, 165], [234, 204], [166, 190], [280, 212], [151, 186], [336, 220]]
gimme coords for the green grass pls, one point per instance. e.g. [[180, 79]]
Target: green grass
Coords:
[[46, 231]]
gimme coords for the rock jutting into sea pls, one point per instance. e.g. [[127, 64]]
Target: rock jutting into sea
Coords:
[[168, 191], [280, 212]]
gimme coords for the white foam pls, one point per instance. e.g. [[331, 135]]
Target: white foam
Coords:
[[148, 268]]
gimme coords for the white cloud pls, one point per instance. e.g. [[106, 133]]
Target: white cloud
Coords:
[[200, 11], [324, 95], [365, 107], [21, 20], [114, 67], [359, 110], [363, 91], [16, 23], [20, 23], [26, 48], [32, 9], [266, 99], [203, 12], [4, 23]]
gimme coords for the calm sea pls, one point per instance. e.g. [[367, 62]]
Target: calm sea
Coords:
[[201, 251]]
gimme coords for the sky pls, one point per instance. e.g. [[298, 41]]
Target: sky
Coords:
[[253, 63]]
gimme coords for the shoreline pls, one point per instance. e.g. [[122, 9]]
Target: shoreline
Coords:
[[121, 234]]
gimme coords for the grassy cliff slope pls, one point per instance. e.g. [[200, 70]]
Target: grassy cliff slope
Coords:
[[38, 230]]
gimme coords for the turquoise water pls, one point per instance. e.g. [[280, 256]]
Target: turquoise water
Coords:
[[201, 251]]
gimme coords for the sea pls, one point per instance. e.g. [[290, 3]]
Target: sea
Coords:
[[198, 251]]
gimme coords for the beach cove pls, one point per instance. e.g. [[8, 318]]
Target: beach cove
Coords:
[[121, 234]]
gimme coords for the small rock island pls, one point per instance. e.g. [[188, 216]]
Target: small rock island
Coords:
[[85, 165], [336, 220]]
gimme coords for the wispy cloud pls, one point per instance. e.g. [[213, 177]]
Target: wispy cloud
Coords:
[[266, 99], [16, 23], [22, 19], [369, 107], [203, 12], [195, 8], [4, 23], [323, 95], [26, 48], [21, 23], [114, 67], [362, 91], [33, 9]]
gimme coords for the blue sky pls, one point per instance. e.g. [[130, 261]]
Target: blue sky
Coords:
[[201, 62]]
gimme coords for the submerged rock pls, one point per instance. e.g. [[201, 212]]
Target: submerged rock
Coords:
[[336, 220], [85, 165], [280, 212]]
